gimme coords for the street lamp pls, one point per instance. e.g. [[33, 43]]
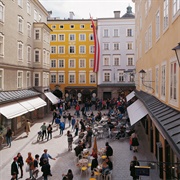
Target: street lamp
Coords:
[[177, 52]]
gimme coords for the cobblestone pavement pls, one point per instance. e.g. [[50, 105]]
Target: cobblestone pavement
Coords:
[[57, 147]]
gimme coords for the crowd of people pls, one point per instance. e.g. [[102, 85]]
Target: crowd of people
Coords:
[[81, 127]]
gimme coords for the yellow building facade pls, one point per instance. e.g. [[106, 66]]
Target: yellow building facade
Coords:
[[72, 59], [157, 80]]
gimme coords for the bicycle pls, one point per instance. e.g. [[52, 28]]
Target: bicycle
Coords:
[[40, 134]]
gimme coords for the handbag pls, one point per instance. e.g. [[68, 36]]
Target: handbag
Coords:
[[27, 168]]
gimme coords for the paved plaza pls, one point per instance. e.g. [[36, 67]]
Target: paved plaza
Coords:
[[57, 148]]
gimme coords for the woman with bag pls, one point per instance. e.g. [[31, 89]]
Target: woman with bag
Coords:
[[30, 164]]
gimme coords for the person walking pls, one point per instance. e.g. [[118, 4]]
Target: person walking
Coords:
[[54, 116], [76, 128], [36, 170], [30, 163], [9, 134], [49, 132], [70, 140], [135, 142], [134, 163], [109, 150], [20, 163], [61, 127], [44, 128], [14, 168], [77, 110], [64, 117], [69, 119], [46, 169], [89, 137], [73, 122], [27, 127]]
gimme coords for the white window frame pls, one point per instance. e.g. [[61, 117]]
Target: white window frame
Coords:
[[116, 46], [82, 63], [82, 78], [61, 37], [129, 45], [128, 60], [37, 34], [150, 37], [20, 51], [91, 37], [116, 60], [28, 7], [157, 80], [20, 24], [72, 49], [53, 37], [19, 79], [91, 49], [72, 63], [121, 76], [91, 63], [106, 33], [29, 29], [34, 79], [165, 14], [129, 32], [106, 46], [35, 15], [116, 32], [82, 37], [1, 45], [37, 55], [82, 49], [53, 63], [1, 79], [176, 7], [29, 54], [69, 78], [106, 73], [157, 25], [20, 3], [53, 78], [92, 78], [62, 75], [28, 79], [72, 37], [61, 65], [53, 49], [106, 61], [163, 81], [2, 12], [61, 49]]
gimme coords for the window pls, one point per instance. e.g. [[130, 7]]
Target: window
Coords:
[[166, 14], [146, 8], [121, 77], [91, 51], [28, 79], [82, 49], [157, 80], [71, 78], [116, 32], [92, 78], [71, 26], [1, 79], [146, 41], [53, 63], [19, 79], [72, 63], [28, 8], [35, 16], [106, 33], [82, 26], [61, 26], [129, 33], [1, 12], [157, 25], [53, 26], [106, 61], [29, 54], [140, 22], [61, 63], [130, 61], [53, 37], [53, 49], [37, 34], [40, 18], [29, 29], [72, 37], [116, 46], [163, 81], [82, 63], [1, 45], [176, 6], [71, 49], [44, 57], [61, 37], [106, 76], [91, 37], [20, 51], [61, 78], [37, 55], [61, 49], [36, 79], [53, 78], [82, 78], [129, 45], [20, 24], [82, 37], [150, 37], [173, 81], [91, 63], [116, 61], [20, 3], [106, 46]]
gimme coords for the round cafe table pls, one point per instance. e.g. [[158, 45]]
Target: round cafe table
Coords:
[[83, 162]]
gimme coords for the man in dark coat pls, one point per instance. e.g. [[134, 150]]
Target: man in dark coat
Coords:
[[109, 150], [132, 169], [14, 167], [46, 169]]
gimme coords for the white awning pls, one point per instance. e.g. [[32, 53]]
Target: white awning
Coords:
[[130, 96], [52, 97], [26, 105], [37, 102], [136, 111], [12, 110]]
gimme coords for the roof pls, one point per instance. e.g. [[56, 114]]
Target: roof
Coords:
[[9, 96], [129, 14], [165, 117]]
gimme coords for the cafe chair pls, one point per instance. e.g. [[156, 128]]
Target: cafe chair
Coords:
[[84, 169], [97, 175]]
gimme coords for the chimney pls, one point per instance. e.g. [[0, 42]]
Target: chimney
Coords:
[[71, 14], [117, 14]]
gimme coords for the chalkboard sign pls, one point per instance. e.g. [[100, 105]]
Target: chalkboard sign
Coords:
[[142, 170]]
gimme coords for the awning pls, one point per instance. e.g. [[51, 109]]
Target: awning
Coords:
[[26, 105], [52, 97], [136, 111], [130, 96], [37, 102], [12, 110]]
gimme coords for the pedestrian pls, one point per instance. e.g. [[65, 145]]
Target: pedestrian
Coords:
[[20, 163], [44, 128], [64, 117], [132, 169], [14, 175], [27, 127], [69, 119], [94, 163], [73, 122], [135, 142], [61, 127], [54, 116], [83, 127], [70, 140], [14, 168], [68, 176], [46, 169], [36, 170], [30, 164], [76, 126], [9, 134], [49, 132], [109, 150], [77, 110], [57, 122], [89, 137]]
